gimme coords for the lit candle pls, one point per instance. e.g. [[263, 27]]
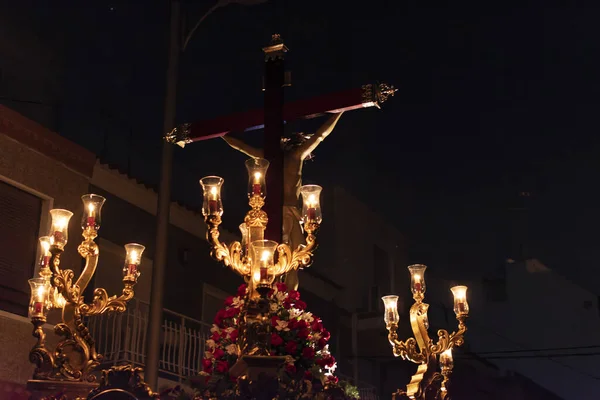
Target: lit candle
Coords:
[[264, 267], [91, 218], [131, 266], [133, 258], [461, 306], [212, 201], [311, 211], [256, 186], [45, 242], [418, 285]]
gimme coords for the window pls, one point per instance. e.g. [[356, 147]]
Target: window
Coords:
[[381, 278], [212, 302], [19, 229]]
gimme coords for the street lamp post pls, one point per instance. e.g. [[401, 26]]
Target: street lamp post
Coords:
[[164, 191]]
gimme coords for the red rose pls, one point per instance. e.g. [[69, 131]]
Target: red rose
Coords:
[[287, 304], [303, 333], [218, 353], [281, 287], [274, 320], [325, 334], [302, 324], [322, 343], [229, 301], [327, 361], [215, 336], [317, 325], [222, 367], [271, 293], [332, 379], [232, 312], [292, 323], [291, 347], [294, 295], [308, 375], [219, 318], [233, 335], [233, 378], [290, 368], [276, 340], [206, 364], [241, 291], [300, 305], [308, 353]]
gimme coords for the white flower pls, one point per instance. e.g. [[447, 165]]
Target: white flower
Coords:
[[237, 302], [281, 296], [294, 313], [331, 370], [208, 354], [315, 337], [282, 325], [231, 349], [274, 307], [211, 344], [308, 317], [214, 329]]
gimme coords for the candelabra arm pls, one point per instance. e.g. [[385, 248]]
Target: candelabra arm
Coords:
[[419, 324], [88, 249], [406, 349], [301, 257], [39, 355], [449, 340], [230, 256]]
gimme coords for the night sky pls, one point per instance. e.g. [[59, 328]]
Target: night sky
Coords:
[[493, 100]]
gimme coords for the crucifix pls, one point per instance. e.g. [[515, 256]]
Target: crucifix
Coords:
[[286, 155]]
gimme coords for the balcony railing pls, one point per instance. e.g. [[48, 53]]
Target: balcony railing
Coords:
[[121, 338]]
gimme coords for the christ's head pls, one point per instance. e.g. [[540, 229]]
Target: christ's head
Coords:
[[294, 141]]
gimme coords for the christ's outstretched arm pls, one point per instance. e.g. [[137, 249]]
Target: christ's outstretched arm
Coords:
[[311, 144], [243, 147]]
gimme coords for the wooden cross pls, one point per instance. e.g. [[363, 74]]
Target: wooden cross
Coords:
[[273, 117]]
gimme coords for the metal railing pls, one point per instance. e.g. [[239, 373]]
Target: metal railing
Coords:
[[365, 390], [121, 338]]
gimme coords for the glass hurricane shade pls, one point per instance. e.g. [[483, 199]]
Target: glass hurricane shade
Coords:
[[257, 173], [92, 211], [39, 301], [311, 203], [461, 306], [59, 231], [263, 254], [212, 204], [133, 259], [390, 315], [45, 243], [446, 361], [417, 278]]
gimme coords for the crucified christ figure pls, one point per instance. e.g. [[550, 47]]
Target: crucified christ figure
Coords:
[[296, 149]]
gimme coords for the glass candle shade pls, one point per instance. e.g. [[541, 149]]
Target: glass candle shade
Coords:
[[417, 278], [257, 173], [38, 303], [45, 242], [92, 211], [133, 259], [263, 254], [212, 204], [390, 315], [446, 361], [461, 307], [311, 204], [59, 232]]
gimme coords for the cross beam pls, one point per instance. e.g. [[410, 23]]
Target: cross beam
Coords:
[[370, 95]]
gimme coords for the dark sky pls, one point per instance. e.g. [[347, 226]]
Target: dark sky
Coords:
[[493, 100]]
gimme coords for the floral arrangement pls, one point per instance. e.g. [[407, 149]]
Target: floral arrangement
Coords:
[[296, 334]]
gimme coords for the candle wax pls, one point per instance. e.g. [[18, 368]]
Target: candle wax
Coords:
[[311, 213], [38, 307], [131, 269], [58, 237], [45, 261], [418, 286], [263, 273], [256, 188], [91, 221], [212, 206]]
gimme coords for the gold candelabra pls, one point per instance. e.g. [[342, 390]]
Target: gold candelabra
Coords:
[[75, 356], [427, 383], [260, 262]]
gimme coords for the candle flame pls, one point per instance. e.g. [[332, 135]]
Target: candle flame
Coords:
[[312, 200], [133, 257], [417, 277], [213, 190], [257, 176], [61, 223], [256, 276], [91, 208], [45, 244], [265, 255]]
